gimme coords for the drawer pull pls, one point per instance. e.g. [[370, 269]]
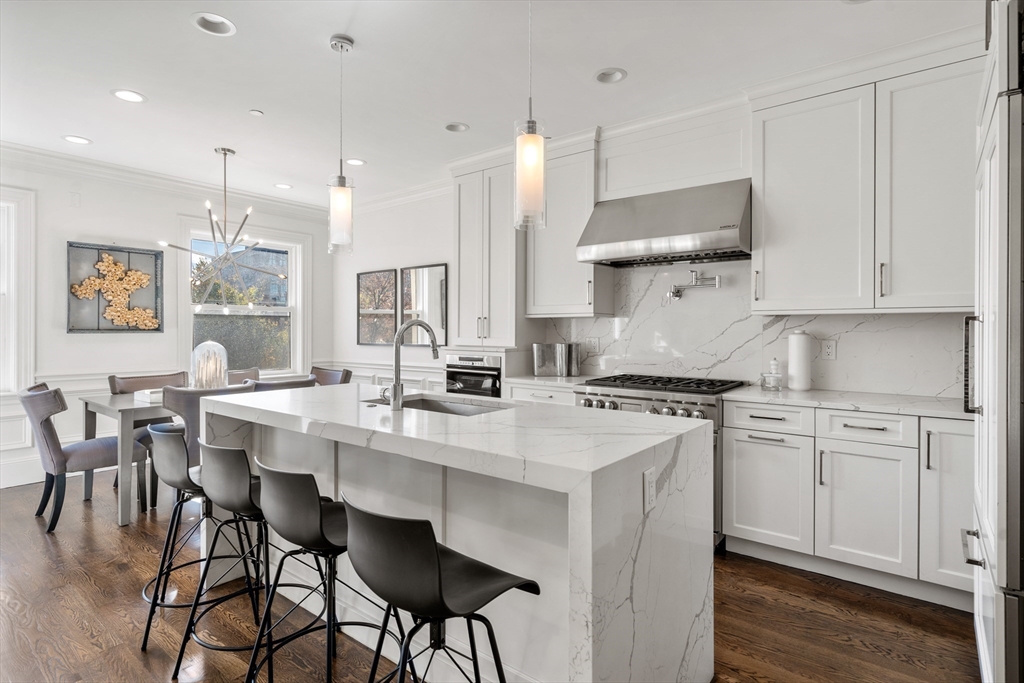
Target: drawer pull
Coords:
[[766, 417], [821, 468], [964, 533], [765, 438], [874, 429], [928, 450], [542, 395]]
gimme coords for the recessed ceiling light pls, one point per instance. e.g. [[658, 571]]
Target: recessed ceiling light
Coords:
[[457, 127], [256, 112], [283, 186], [77, 139], [610, 75], [129, 96], [214, 24], [355, 162]]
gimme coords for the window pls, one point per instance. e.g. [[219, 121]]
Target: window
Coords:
[[250, 311], [17, 256]]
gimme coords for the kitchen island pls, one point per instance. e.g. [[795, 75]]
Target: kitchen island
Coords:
[[553, 493]]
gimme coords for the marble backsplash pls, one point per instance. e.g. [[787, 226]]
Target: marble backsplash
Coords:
[[712, 333]]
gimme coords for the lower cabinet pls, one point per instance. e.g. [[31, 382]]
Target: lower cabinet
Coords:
[[866, 505], [768, 488], [540, 394], [947, 500]]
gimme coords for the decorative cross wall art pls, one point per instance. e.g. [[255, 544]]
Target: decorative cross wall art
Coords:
[[114, 289]]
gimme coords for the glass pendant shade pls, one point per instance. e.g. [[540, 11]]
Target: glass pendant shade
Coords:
[[529, 205], [340, 215]]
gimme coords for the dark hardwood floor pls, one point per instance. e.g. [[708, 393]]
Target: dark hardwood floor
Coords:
[[70, 610]]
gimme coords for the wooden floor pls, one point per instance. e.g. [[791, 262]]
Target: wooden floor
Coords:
[[70, 610]]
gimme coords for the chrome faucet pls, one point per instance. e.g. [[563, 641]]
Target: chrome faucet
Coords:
[[394, 393]]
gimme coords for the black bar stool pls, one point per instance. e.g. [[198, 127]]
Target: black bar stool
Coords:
[[401, 561], [294, 508]]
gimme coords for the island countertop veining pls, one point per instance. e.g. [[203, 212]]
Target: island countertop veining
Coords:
[[549, 446]]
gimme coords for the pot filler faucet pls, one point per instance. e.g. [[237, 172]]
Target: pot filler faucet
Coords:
[[394, 393]]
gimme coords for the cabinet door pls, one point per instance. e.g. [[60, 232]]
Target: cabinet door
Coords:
[[557, 285], [469, 250], [768, 488], [924, 192], [947, 500], [813, 195], [500, 243], [865, 505]]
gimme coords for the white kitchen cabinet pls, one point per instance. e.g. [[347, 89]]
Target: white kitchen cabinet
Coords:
[[557, 285], [925, 152], [813, 203], [541, 394], [499, 312], [768, 488], [947, 500], [467, 295], [866, 505]]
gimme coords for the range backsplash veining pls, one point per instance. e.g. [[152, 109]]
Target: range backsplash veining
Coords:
[[711, 333]]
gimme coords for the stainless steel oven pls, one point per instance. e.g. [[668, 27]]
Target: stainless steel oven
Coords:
[[473, 375]]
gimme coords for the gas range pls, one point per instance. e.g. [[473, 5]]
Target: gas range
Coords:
[[669, 396]]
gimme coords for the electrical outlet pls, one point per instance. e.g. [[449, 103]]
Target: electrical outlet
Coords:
[[649, 490], [828, 349], [591, 345]]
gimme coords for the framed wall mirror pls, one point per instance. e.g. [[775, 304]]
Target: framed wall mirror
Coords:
[[424, 294], [377, 310]]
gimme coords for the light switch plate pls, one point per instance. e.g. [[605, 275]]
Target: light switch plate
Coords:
[[649, 490]]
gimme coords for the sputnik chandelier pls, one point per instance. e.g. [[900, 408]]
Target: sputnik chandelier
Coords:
[[225, 253]]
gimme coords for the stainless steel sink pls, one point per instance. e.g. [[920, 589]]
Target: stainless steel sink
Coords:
[[436, 406]]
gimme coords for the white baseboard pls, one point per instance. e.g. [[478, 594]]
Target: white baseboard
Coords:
[[921, 590]]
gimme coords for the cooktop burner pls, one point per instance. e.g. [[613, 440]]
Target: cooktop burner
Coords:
[[690, 385]]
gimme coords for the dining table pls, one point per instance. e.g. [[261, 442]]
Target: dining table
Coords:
[[125, 409]]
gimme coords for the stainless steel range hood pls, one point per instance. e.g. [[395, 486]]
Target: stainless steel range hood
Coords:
[[695, 225]]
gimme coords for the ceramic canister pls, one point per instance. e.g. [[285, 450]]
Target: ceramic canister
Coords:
[[801, 351]]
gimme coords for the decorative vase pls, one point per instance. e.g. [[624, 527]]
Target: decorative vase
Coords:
[[209, 366]]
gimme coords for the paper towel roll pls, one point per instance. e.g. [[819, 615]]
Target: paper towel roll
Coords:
[[801, 351]]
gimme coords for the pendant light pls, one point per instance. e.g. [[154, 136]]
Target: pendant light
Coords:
[[341, 187], [529, 204]]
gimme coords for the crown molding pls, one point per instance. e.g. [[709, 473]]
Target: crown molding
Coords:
[[566, 144], [34, 159], [736, 101], [418, 193]]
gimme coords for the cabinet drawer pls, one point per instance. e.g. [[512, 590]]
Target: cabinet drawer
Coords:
[[769, 417], [541, 395], [895, 430]]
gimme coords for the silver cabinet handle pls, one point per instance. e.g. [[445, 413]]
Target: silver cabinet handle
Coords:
[[765, 438], [821, 468], [543, 395], [590, 292], [881, 279], [968, 408], [487, 328], [964, 533], [766, 417], [874, 429], [756, 274], [928, 450]]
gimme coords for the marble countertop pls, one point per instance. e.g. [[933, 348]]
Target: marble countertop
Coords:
[[561, 382], [900, 404], [550, 446]]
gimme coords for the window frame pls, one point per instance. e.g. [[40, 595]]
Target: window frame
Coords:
[[19, 312]]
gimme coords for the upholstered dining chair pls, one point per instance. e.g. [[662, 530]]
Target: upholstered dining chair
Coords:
[[184, 402], [282, 384], [325, 376], [131, 384], [239, 376], [40, 404]]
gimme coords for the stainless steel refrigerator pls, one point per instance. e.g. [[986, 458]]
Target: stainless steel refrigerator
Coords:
[[994, 356]]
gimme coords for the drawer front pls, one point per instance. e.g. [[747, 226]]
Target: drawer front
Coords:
[[542, 395], [848, 425], [769, 417]]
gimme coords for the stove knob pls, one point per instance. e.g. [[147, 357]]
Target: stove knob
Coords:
[[700, 415], [683, 412], [652, 410], [598, 403], [612, 405], [586, 403], [668, 411]]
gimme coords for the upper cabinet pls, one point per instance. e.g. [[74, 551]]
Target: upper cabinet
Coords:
[[863, 198], [557, 285]]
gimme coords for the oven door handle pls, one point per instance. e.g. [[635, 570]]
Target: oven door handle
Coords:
[[491, 373]]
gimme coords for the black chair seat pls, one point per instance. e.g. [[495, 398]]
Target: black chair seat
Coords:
[[469, 584]]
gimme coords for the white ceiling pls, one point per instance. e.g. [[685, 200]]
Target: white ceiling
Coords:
[[417, 65]]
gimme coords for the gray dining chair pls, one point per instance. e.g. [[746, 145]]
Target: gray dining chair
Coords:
[[133, 383], [282, 384], [40, 404], [325, 376], [184, 402], [239, 376]]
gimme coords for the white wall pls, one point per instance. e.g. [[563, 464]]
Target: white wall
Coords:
[[124, 207]]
